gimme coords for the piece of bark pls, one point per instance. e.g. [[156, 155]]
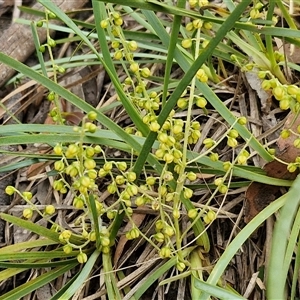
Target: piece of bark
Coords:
[[17, 40]]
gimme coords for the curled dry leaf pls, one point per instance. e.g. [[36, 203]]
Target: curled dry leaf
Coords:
[[259, 195]]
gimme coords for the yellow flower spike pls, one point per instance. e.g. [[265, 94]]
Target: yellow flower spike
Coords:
[[27, 213], [120, 179], [50, 210], [10, 190], [82, 258], [255, 14], [122, 166]]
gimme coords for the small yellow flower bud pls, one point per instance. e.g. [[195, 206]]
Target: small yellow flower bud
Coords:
[[50, 210], [223, 189], [159, 237], [104, 24], [165, 252], [59, 166], [218, 181], [192, 213], [285, 133], [67, 248], [145, 72], [9, 190], [131, 176], [201, 102], [242, 120], [134, 67], [82, 258], [107, 166], [58, 150], [78, 203], [180, 266], [154, 126], [187, 193], [227, 165], [292, 167], [186, 43], [231, 142], [27, 213], [27, 196], [297, 143], [279, 92]]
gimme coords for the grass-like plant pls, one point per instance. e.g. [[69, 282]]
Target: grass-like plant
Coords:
[[164, 152]]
